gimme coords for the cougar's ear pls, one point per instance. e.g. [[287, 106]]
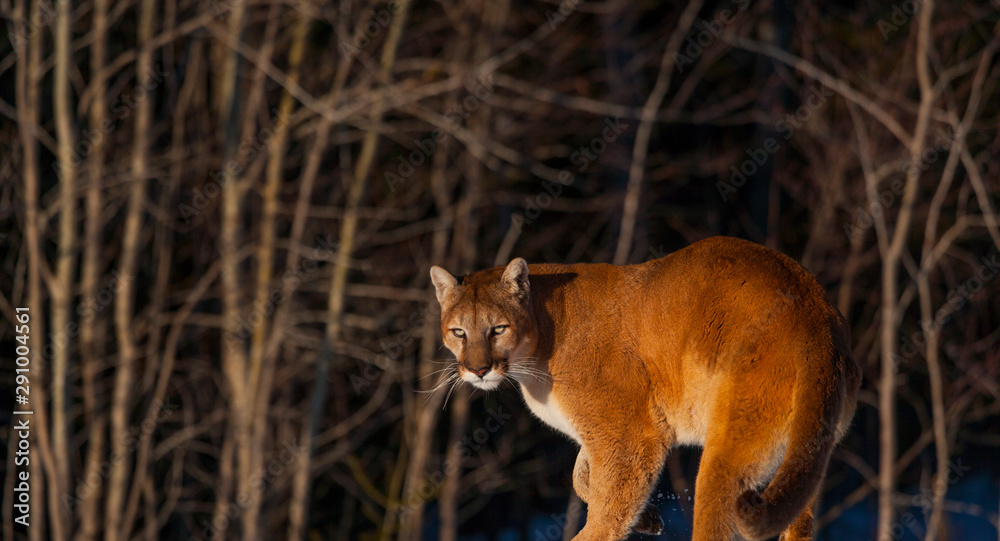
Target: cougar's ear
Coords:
[[444, 283], [515, 277]]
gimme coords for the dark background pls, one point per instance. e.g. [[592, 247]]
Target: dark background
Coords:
[[221, 215]]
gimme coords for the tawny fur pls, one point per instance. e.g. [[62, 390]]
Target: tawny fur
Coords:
[[724, 344]]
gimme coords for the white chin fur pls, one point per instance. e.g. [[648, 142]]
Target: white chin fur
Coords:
[[488, 383]]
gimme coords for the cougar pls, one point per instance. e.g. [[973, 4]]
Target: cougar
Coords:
[[724, 344]]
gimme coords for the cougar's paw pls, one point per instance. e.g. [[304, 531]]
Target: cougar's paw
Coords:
[[649, 521]]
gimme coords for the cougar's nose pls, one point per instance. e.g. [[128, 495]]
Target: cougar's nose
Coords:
[[480, 371]]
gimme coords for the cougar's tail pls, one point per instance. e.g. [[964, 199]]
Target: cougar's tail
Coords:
[[818, 400]]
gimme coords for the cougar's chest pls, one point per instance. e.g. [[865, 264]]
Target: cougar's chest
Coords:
[[546, 407]]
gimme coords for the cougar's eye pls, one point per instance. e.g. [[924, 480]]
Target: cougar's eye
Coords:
[[499, 329], [459, 333]]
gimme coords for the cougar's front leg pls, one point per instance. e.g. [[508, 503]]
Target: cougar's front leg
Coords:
[[619, 480], [649, 521]]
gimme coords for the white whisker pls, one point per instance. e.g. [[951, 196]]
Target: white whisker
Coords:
[[531, 372], [456, 383], [436, 372], [443, 382]]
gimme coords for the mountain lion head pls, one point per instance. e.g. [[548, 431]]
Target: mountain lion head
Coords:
[[488, 323]]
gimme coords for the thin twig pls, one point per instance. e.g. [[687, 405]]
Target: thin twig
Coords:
[[645, 131]]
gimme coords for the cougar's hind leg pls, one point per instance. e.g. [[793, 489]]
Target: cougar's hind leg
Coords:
[[742, 449], [802, 528]]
